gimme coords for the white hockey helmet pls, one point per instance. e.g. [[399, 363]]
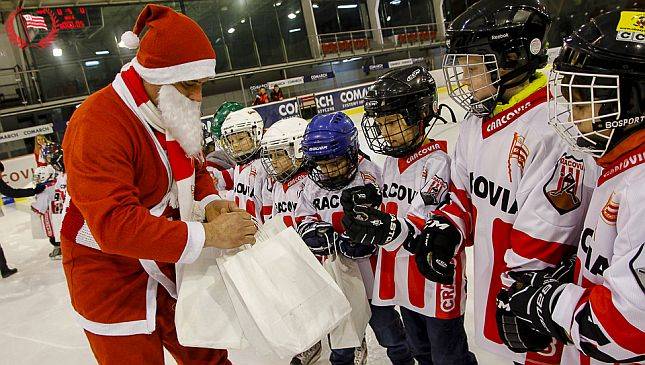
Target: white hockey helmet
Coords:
[[44, 174], [244, 120], [285, 135]]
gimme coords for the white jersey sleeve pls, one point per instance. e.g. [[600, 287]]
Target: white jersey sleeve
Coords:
[[548, 226]]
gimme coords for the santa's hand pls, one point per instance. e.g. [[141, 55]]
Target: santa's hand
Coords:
[[214, 208], [230, 230]]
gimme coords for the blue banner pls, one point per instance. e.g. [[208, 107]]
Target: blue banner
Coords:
[[327, 102]]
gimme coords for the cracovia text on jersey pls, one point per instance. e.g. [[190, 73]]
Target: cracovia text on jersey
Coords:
[[497, 196]]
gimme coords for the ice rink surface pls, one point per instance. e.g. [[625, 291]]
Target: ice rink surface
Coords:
[[36, 322]]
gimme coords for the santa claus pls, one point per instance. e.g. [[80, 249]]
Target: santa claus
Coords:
[[136, 182]]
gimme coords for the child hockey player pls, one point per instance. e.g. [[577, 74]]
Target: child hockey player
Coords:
[[49, 204], [218, 164], [330, 146], [504, 150], [241, 137], [398, 108], [599, 80], [282, 158]]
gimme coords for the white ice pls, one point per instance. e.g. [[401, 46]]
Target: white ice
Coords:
[[36, 323]]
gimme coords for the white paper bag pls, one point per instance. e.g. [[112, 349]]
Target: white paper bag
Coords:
[[347, 274], [37, 230], [289, 296], [204, 315]]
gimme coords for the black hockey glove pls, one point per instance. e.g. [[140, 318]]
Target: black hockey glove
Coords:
[[368, 195], [517, 334], [530, 300], [370, 226], [435, 248], [319, 237], [354, 250]]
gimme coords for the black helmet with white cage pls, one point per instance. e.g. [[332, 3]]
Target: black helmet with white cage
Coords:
[[507, 37], [601, 67]]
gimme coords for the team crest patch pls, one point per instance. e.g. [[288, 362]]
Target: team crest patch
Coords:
[[436, 188], [517, 155], [564, 189], [609, 212]]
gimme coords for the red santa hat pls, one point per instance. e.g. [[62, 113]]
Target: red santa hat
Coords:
[[173, 49]]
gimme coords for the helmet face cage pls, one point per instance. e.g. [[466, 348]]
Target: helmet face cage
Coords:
[[464, 85], [391, 134], [231, 138], [335, 173], [277, 169], [598, 94]]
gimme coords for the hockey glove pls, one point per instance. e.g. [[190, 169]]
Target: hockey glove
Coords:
[[39, 188], [435, 248], [368, 195], [319, 237], [517, 334], [354, 250], [533, 297], [370, 226]]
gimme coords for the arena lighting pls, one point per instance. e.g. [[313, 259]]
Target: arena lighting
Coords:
[[278, 3], [291, 16], [347, 6], [92, 63], [395, 2], [231, 30], [315, 6], [351, 59], [243, 21], [57, 52], [101, 53], [295, 30], [388, 18]]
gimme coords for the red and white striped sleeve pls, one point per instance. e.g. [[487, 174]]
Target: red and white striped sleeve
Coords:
[[607, 322], [460, 210]]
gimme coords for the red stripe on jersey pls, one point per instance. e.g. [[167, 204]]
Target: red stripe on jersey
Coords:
[[623, 163], [266, 210], [337, 221], [535, 248], [228, 179], [507, 117], [625, 334], [576, 271], [388, 269], [416, 284], [500, 234], [552, 356], [424, 150], [302, 218], [417, 221], [584, 359], [448, 297], [288, 221], [250, 208]]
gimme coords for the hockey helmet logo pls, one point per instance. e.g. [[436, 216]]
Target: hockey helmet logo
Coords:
[[564, 188]]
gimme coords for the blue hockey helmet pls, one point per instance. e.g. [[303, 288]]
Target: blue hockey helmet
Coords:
[[330, 145]]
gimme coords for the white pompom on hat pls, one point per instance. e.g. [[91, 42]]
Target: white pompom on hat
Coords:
[[173, 49]]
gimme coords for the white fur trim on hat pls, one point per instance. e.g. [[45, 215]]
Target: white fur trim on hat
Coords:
[[183, 72], [130, 40]]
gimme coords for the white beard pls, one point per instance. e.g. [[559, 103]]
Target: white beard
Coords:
[[180, 117]]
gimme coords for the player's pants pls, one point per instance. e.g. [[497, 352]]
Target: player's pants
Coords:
[[437, 341], [148, 349], [3, 262], [388, 328]]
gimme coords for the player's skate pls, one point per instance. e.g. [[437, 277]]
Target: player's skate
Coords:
[[360, 354], [56, 254], [309, 356]]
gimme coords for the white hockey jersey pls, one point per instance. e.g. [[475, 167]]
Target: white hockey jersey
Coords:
[[318, 204], [414, 186], [497, 163], [281, 199], [249, 181], [49, 206], [605, 312]]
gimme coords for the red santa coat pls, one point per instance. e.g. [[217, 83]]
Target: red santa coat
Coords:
[[118, 241]]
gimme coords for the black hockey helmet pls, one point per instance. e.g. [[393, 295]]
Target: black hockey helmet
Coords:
[[398, 107], [507, 37], [56, 160], [600, 66]]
